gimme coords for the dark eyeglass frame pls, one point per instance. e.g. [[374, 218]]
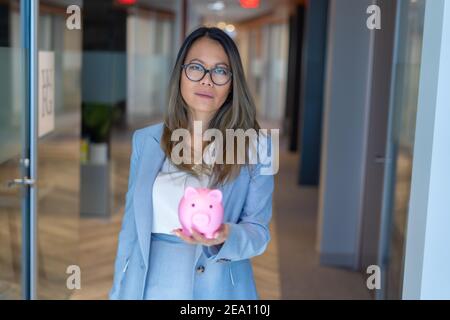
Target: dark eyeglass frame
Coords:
[[205, 71]]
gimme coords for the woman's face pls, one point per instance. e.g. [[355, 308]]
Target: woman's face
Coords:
[[204, 97]]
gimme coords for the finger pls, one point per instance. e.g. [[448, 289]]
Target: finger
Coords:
[[220, 237], [197, 236], [179, 233], [202, 239], [184, 237], [218, 240], [188, 239], [219, 233]]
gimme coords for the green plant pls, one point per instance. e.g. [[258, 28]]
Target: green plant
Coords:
[[97, 120]]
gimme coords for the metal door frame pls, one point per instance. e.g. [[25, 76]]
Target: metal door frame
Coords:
[[29, 15]]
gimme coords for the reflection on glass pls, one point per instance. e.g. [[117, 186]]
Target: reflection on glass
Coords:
[[406, 82], [264, 58], [58, 158], [149, 62], [12, 93]]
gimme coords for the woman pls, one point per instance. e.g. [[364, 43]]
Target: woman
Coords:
[[155, 260]]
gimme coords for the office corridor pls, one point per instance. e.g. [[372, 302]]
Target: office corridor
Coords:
[[362, 98]]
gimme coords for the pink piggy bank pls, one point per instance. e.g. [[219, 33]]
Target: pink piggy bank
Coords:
[[202, 209]]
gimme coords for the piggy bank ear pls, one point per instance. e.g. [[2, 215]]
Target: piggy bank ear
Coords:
[[216, 194], [190, 192]]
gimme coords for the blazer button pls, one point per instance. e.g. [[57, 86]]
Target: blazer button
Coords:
[[200, 269]]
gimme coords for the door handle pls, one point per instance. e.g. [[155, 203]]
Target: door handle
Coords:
[[24, 182], [382, 159]]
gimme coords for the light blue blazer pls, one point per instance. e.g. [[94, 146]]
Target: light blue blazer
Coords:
[[227, 272]]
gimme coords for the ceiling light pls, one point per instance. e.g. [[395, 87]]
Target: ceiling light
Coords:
[[221, 25], [249, 4], [216, 6], [230, 28]]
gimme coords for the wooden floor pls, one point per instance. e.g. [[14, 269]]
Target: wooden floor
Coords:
[[57, 224]]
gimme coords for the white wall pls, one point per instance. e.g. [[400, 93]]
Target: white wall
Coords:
[[427, 257], [345, 127]]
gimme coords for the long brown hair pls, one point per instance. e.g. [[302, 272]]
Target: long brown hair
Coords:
[[237, 112]]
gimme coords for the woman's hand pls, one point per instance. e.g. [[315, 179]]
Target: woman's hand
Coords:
[[197, 238]]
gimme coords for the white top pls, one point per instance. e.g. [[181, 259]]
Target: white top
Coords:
[[168, 190]]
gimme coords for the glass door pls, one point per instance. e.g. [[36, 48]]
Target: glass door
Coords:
[[14, 160], [58, 149], [398, 170], [40, 71]]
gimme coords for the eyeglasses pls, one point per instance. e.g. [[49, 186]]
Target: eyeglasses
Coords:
[[196, 72]]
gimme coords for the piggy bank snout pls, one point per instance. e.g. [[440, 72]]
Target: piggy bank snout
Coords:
[[201, 219]]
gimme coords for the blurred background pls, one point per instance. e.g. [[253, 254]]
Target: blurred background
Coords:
[[341, 79]]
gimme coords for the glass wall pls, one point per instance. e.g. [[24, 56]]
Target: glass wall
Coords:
[[264, 56], [91, 69], [12, 136], [400, 142], [150, 56], [275, 61], [59, 155]]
